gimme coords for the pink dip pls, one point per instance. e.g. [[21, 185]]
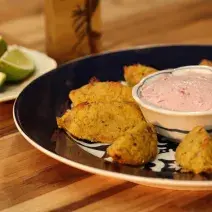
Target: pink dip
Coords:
[[189, 92]]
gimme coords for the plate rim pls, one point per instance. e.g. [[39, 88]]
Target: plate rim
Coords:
[[155, 182], [137, 47], [54, 65]]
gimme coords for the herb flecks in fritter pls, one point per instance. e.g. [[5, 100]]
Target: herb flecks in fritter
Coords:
[[194, 153], [101, 121], [137, 146], [101, 92]]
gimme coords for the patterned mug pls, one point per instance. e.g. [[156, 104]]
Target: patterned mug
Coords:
[[73, 28]]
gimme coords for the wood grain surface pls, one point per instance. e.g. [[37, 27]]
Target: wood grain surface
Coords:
[[31, 181]]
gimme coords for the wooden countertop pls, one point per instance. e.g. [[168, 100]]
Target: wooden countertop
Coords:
[[31, 181]]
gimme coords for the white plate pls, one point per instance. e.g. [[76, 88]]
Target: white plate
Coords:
[[43, 64]]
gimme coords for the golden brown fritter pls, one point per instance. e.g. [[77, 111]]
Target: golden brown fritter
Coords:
[[134, 73], [194, 153], [102, 92], [136, 147], [206, 62], [100, 121]]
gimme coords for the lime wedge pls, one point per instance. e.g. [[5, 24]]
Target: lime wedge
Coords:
[[3, 46], [16, 64], [2, 78]]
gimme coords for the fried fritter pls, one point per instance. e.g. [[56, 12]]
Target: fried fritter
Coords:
[[136, 147], [100, 121], [194, 153], [102, 92], [206, 62], [134, 73]]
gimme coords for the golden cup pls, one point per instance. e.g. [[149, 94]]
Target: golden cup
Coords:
[[73, 28]]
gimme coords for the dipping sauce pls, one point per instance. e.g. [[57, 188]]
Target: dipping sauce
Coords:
[[185, 91]]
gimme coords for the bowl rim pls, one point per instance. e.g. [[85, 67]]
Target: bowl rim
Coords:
[[157, 109]]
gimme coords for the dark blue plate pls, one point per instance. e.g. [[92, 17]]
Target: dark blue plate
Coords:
[[36, 108]]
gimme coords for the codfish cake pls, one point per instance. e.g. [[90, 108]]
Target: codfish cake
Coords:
[[134, 73], [206, 62], [100, 121], [138, 146], [194, 152], [101, 92]]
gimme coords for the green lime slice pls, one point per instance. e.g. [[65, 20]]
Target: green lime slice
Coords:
[[3, 46], [16, 64], [2, 78]]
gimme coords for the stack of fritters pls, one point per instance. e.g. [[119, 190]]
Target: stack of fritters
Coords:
[[106, 112]]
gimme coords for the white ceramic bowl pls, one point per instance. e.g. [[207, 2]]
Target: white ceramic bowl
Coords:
[[172, 124]]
